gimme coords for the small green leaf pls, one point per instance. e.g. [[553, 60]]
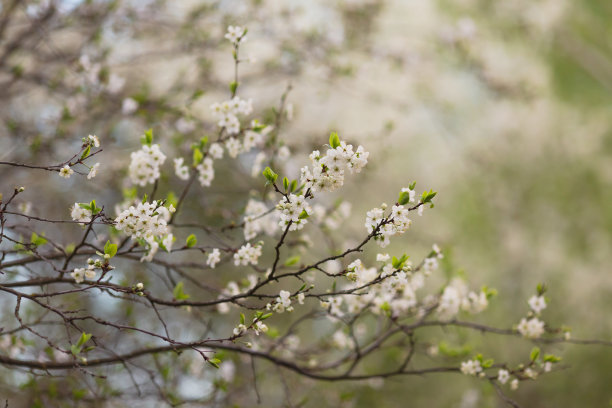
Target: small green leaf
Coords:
[[83, 339], [75, 350], [293, 186], [241, 318], [334, 140], [147, 139], [303, 215], [233, 86], [191, 241], [214, 362], [38, 240], [264, 317], [270, 175], [551, 358], [404, 198], [110, 249], [292, 261], [428, 196], [86, 152], [535, 353], [178, 292], [487, 363], [198, 156], [286, 183]]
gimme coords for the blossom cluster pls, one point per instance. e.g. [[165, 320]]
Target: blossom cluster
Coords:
[[227, 113], [456, 297], [327, 172], [147, 222], [145, 164], [258, 218], [293, 211], [248, 254], [397, 223], [80, 274]]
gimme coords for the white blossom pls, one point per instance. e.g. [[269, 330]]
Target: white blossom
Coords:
[[471, 367], [145, 163], [180, 169], [532, 328], [93, 171], [537, 303], [247, 254], [66, 172], [235, 34], [213, 258]]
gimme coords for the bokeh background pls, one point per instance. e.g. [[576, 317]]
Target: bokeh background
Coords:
[[503, 107]]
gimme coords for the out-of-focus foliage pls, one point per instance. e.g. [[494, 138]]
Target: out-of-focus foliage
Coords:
[[503, 106]]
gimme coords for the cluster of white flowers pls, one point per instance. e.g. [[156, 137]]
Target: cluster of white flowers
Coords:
[[80, 274], [236, 34], [456, 297], [180, 169], [295, 210], [258, 219], [145, 163], [206, 172], [281, 303], [80, 214], [327, 173], [248, 254], [216, 150], [398, 223], [213, 258], [395, 294], [227, 114], [471, 367], [147, 221], [66, 172], [532, 328]]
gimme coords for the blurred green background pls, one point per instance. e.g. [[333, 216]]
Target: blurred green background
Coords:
[[503, 107]]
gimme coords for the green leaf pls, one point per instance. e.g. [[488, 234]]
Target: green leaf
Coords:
[[86, 152], [270, 175], [404, 198], [83, 339], [428, 196], [38, 240], [75, 350], [264, 317], [293, 186], [233, 86], [191, 241], [178, 292], [303, 215], [214, 362], [412, 185], [292, 261], [286, 183], [110, 249], [85, 206], [487, 363], [334, 140], [198, 156], [551, 358], [241, 318], [147, 139], [535, 353]]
